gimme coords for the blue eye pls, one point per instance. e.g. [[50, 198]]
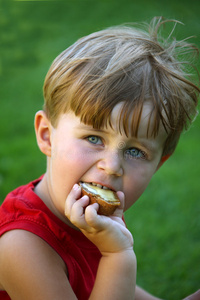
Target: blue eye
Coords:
[[134, 153], [94, 140]]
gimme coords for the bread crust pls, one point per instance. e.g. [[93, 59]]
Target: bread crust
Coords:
[[105, 207]]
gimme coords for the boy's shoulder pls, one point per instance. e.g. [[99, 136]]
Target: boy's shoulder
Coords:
[[23, 259]]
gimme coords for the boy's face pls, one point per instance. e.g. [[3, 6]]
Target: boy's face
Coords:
[[78, 152]]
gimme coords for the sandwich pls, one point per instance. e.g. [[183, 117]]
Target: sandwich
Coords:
[[107, 199]]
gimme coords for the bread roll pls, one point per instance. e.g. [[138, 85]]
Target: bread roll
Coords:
[[108, 200]]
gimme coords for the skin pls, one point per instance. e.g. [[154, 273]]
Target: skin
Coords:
[[124, 164]]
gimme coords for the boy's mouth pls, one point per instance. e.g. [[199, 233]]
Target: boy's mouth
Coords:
[[99, 185]]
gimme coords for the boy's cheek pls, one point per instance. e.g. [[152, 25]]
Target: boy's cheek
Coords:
[[73, 156], [131, 196], [136, 187]]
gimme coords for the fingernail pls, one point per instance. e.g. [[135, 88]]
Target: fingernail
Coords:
[[76, 187], [84, 197]]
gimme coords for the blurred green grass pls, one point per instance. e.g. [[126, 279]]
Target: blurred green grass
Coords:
[[165, 221]]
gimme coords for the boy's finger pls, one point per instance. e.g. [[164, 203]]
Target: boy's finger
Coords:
[[73, 196], [77, 216], [121, 198], [91, 216], [119, 211]]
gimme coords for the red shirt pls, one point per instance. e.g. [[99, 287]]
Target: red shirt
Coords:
[[23, 209]]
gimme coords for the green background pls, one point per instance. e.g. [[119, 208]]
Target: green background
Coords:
[[165, 222]]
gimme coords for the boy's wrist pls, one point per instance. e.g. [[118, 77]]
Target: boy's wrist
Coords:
[[129, 252], [126, 258]]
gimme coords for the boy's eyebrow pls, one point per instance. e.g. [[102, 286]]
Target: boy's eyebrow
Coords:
[[90, 127]]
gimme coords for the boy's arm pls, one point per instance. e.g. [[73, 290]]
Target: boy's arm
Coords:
[[31, 269], [116, 275], [141, 294]]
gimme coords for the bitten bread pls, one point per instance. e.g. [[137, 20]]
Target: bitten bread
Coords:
[[107, 199]]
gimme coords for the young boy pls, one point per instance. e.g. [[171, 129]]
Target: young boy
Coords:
[[116, 103]]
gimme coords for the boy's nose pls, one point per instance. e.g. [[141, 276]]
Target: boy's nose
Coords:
[[111, 163]]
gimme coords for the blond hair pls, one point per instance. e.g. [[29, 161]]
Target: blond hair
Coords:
[[130, 65]]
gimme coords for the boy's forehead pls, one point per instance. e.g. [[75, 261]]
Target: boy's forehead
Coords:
[[145, 124]]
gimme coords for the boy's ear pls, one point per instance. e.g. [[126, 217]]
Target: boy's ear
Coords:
[[163, 159], [43, 132]]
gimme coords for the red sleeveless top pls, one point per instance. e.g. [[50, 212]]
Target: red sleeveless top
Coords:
[[23, 209]]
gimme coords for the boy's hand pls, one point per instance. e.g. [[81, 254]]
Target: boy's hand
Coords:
[[109, 234]]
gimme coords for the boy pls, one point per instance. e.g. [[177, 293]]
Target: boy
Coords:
[[116, 103]]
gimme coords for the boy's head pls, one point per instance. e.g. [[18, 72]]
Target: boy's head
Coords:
[[123, 64]]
